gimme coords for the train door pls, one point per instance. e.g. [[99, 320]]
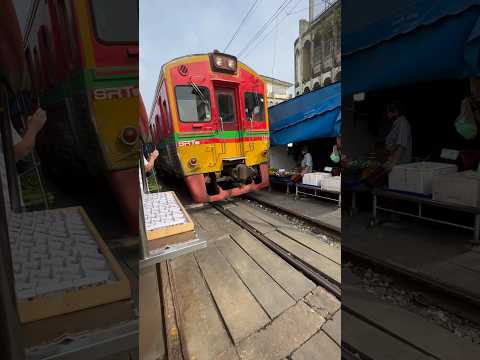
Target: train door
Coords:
[[229, 122]]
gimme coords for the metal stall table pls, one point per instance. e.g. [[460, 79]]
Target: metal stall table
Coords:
[[422, 201], [317, 192]]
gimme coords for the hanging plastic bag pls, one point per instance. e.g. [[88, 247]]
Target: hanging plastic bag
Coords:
[[335, 155], [465, 123]]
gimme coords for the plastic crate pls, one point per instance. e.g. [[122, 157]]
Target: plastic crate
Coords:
[[461, 188], [417, 177]]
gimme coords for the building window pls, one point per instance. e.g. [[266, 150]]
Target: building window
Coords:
[[279, 90], [307, 58], [306, 90], [329, 45], [338, 77], [327, 81], [317, 50], [316, 86], [298, 74]]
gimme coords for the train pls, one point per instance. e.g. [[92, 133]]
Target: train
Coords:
[[82, 64], [209, 122]]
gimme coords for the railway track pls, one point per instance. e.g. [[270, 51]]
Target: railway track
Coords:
[[317, 276], [416, 280], [455, 302], [256, 243]]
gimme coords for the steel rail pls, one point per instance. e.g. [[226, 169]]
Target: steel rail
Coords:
[[310, 272], [414, 278], [327, 230]]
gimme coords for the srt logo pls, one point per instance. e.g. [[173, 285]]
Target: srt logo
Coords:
[[188, 143], [115, 93]]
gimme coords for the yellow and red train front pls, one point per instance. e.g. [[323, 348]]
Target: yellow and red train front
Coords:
[[211, 123]]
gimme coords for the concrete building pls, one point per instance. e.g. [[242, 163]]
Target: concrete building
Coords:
[[318, 47], [277, 90]]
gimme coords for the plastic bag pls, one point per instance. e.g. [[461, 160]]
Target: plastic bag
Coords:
[[335, 155], [465, 123]]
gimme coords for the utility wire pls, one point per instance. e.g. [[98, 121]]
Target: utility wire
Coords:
[[274, 51], [264, 27], [270, 32], [250, 11], [324, 2]]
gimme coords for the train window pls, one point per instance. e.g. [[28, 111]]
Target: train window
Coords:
[[226, 106], [193, 103], [254, 106], [119, 28]]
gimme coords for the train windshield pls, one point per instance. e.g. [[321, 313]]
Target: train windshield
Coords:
[[116, 21], [254, 107], [193, 103]]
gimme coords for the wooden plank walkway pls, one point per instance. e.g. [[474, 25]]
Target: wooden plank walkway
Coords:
[[237, 299]]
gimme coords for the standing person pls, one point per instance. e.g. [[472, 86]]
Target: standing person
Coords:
[[306, 165], [398, 145], [398, 142]]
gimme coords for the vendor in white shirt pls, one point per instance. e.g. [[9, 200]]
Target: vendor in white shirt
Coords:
[[399, 140], [306, 165]]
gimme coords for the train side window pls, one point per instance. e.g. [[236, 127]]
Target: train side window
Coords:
[[167, 127], [193, 103], [30, 69], [254, 106], [39, 71], [64, 29], [48, 60]]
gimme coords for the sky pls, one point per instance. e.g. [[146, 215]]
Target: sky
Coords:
[[173, 28]]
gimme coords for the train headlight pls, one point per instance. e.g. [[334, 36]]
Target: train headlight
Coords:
[[223, 62], [192, 162], [129, 135]]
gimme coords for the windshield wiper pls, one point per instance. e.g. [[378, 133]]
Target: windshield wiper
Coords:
[[200, 93]]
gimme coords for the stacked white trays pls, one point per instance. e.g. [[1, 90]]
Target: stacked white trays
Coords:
[[54, 251], [332, 184], [461, 188], [315, 179], [162, 210], [417, 177]]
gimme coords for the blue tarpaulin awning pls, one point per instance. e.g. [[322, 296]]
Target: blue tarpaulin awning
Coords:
[[399, 42], [308, 117]]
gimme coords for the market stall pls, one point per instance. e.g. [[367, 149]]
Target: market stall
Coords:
[[433, 90], [306, 124]]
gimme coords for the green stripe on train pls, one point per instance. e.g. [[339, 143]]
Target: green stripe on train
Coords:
[[228, 134]]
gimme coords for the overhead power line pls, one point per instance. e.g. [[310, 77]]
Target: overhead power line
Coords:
[[265, 26], [279, 22], [250, 11]]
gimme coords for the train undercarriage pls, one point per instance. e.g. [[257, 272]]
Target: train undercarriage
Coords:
[[235, 179]]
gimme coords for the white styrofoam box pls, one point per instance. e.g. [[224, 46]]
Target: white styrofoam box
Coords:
[[461, 188], [315, 179], [417, 177], [333, 184]]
